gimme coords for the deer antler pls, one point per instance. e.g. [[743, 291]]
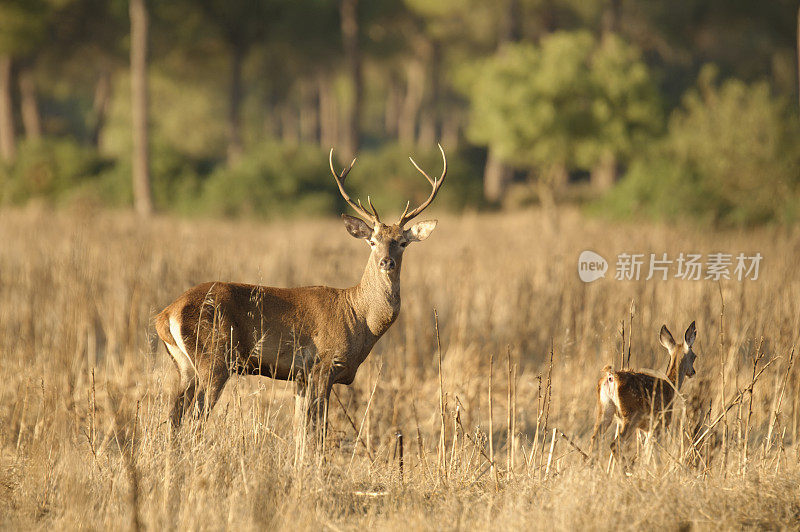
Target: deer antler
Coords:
[[372, 217], [435, 183]]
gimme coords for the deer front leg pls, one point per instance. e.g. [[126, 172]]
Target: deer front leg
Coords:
[[310, 412], [314, 385], [626, 428], [319, 396]]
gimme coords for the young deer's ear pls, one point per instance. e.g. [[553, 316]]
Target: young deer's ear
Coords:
[[666, 338], [420, 230], [357, 227], [691, 334]]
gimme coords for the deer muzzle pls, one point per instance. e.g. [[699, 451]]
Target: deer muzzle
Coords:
[[387, 264]]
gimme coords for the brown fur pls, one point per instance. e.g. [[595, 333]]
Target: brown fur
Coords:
[[284, 333]]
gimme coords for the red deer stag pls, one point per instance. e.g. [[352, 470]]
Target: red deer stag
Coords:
[[638, 400], [315, 335]]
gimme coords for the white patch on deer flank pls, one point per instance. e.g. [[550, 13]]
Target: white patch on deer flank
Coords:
[[175, 331]]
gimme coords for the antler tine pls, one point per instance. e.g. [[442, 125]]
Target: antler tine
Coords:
[[371, 206], [405, 211], [435, 183], [374, 210], [339, 178], [344, 173], [421, 171]]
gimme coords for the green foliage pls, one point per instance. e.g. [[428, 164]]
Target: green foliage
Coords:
[[22, 25], [275, 180], [390, 180], [655, 187], [176, 180], [270, 181], [567, 101], [49, 169], [730, 157], [184, 117], [554, 103]]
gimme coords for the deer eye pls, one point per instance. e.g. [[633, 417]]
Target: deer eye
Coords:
[[371, 243], [403, 244]]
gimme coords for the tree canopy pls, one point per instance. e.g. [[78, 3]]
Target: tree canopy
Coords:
[[557, 87]]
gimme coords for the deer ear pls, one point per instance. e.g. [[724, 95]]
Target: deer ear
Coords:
[[691, 334], [357, 227], [666, 338], [420, 230]]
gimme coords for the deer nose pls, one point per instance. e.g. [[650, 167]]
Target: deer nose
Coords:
[[387, 264]]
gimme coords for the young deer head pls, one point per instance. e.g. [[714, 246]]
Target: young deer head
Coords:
[[388, 242], [677, 370]]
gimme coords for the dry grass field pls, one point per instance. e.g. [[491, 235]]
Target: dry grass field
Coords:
[[84, 441]]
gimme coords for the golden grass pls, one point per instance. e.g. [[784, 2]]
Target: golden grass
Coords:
[[83, 400]]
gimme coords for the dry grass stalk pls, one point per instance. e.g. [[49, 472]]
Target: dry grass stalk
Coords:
[[442, 459], [492, 463], [81, 294]]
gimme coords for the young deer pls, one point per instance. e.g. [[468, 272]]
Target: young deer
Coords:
[[315, 335], [634, 397]]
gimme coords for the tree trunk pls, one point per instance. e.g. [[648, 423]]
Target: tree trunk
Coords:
[[496, 177], [328, 113], [557, 176], [450, 131], [234, 106], [271, 119], [427, 129], [352, 119], [309, 116], [391, 113], [7, 138], [289, 124], [510, 23], [415, 88], [429, 120], [612, 13], [604, 173], [142, 198], [28, 105], [102, 98]]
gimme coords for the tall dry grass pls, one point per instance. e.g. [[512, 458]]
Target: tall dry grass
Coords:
[[83, 399]]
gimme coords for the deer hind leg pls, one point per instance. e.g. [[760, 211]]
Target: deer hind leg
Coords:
[[201, 379], [604, 418], [185, 390], [210, 383], [606, 406], [627, 427], [300, 421]]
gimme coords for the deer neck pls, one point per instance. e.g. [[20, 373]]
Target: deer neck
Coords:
[[376, 298], [672, 369]]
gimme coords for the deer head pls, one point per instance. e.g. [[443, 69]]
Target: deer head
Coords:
[[685, 368], [388, 242]]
